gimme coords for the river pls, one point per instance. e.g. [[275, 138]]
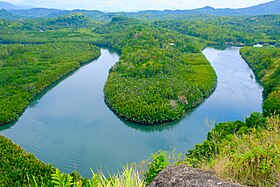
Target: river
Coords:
[[71, 127]]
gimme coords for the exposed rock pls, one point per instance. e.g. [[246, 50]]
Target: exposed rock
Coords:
[[185, 176]]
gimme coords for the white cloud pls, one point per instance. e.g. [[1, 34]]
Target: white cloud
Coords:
[[135, 5]]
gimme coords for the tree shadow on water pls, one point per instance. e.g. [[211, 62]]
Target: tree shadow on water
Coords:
[[157, 127]]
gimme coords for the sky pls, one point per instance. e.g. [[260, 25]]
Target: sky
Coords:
[[135, 5]]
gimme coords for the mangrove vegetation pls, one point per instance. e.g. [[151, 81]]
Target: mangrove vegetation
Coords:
[[27, 69], [265, 62], [161, 74]]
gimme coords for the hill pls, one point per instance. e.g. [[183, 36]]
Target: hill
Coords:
[[272, 7], [6, 15], [38, 12], [7, 6]]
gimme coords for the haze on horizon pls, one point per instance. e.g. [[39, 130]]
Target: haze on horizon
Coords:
[[134, 5]]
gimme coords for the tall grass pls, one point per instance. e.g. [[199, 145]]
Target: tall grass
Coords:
[[251, 158]]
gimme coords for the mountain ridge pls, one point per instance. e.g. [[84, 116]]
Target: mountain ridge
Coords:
[[8, 6], [272, 7]]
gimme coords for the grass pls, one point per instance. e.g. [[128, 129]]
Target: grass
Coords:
[[251, 157], [129, 177]]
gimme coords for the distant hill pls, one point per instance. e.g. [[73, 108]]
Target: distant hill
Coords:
[[8, 6], [272, 7], [7, 15], [38, 12], [73, 20]]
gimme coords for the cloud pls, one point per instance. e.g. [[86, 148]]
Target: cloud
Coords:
[[135, 5]]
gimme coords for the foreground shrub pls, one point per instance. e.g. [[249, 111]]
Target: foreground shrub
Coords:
[[129, 177], [246, 152], [211, 147], [252, 159], [158, 163]]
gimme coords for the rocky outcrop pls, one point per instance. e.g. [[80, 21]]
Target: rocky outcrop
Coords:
[[185, 176]]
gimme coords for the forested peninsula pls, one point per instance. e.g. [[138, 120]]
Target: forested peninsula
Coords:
[[161, 74]]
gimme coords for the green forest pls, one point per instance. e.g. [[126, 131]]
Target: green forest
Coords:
[[28, 69], [160, 76], [241, 30], [265, 62], [18, 167], [164, 63]]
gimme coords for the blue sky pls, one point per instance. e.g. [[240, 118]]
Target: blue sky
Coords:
[[136, 5]]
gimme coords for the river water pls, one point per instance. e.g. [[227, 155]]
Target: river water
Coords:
[[71, 127]]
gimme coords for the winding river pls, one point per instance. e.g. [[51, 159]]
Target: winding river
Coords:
[[70, 126]]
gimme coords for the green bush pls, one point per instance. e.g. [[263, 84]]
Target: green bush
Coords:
[[158, 163], [210, 148], [128, 177], [247, 152], [251, 159]]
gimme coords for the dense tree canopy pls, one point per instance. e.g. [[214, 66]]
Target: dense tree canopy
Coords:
[[161, 73], [26, 70], [265, 62], [244, 30], [18, 167]]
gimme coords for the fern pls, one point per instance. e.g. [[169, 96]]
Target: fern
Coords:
[[61, 180]]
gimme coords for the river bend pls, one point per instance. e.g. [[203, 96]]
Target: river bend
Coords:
[[70, 126]]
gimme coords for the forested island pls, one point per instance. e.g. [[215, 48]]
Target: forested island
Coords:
[[160, 76]]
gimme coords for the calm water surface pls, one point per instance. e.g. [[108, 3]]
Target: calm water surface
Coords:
[[71, 127]]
